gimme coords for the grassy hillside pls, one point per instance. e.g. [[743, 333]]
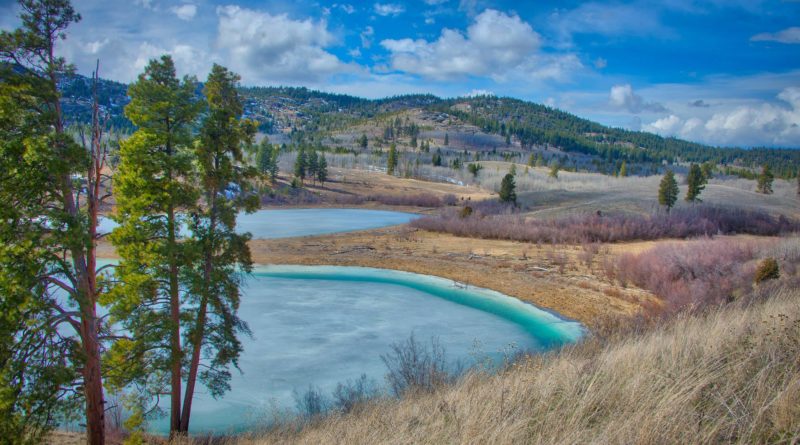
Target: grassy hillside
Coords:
[[731, 375]]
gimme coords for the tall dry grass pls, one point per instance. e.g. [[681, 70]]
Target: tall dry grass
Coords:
[[729, 375]]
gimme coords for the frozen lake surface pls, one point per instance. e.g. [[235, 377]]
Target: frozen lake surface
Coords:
[[320, 325], [287, 223]]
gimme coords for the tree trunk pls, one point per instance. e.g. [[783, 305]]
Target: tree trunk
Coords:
[[92, 383], [194, 366], [200, 326], [175, 318]]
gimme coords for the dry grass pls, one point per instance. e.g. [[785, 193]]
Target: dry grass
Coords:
[[729, 376]]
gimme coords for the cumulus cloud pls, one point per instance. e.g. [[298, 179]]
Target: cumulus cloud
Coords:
[[496, 45], [266, 47], [788, 36], [387, 9], [757, 124], [366, 37], [623, 97], [185, 12]]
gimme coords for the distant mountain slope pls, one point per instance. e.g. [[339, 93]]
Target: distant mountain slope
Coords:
[[290, 109]]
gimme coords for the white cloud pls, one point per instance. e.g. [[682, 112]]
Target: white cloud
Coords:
[[757, 124], [387, 9], [608, 20], [185, 12], [623, 97], [788, 35], [366, 37], [347, 8], [265, 47], [494, 45], [435, 2]]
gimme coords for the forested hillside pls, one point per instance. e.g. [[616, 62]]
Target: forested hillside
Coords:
[[314, 115]]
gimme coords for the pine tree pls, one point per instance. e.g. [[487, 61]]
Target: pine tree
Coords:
[[531, 160], [300, 165], [391, 162], [623, 170], [220, 254], [708, 170], [273, 164], [508, 140], [322, 170], [436, 160], [765, 179], [668, 190], [49, 346], [539, 160], [153, 183], [696, 182], [513, 169], [363, 142], [507, 189], [313, 161], [554, 170], [446, 140], [264, 157]]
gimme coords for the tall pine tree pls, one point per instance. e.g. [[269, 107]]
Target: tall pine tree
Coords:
[[219, 253], [696, 182], [153, 185], [765, 179]]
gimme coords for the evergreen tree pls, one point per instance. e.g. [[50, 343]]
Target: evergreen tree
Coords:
[[507, 189], [765, 180], [363, 142], [554, 170], [708, 170], [437, 158], [49, 345], [539, 160], [391, 162], [508, 140], [313, 161], [623, 169], [220, 254], [474, 169], [322, 170], [264, 157], [273, 164], [696, 182], [300, 165], [154, 182], [513, 169], [668, 190], [414, 141], [531, 160], [446, 140]]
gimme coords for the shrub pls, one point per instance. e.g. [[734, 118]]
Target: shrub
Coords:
[[310, 404], [416, 367], [768, 269], [501, 221], [348, 395], [465, 212]]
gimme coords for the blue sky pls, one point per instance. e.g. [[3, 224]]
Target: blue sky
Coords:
[[724, 72]]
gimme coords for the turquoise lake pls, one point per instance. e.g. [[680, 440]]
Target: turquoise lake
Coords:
[[321, 325], [286, 223]]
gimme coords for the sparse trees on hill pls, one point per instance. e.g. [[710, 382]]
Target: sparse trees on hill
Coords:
[[436, 160], [363, 142], [696, 182], [508, 189], [765, 179], [474, 169], [668, 190]]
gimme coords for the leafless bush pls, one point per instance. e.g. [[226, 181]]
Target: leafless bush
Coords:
[[697, 274], [415, 200], [349, 395], [592, 228], [416, 367], [312, 403]]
